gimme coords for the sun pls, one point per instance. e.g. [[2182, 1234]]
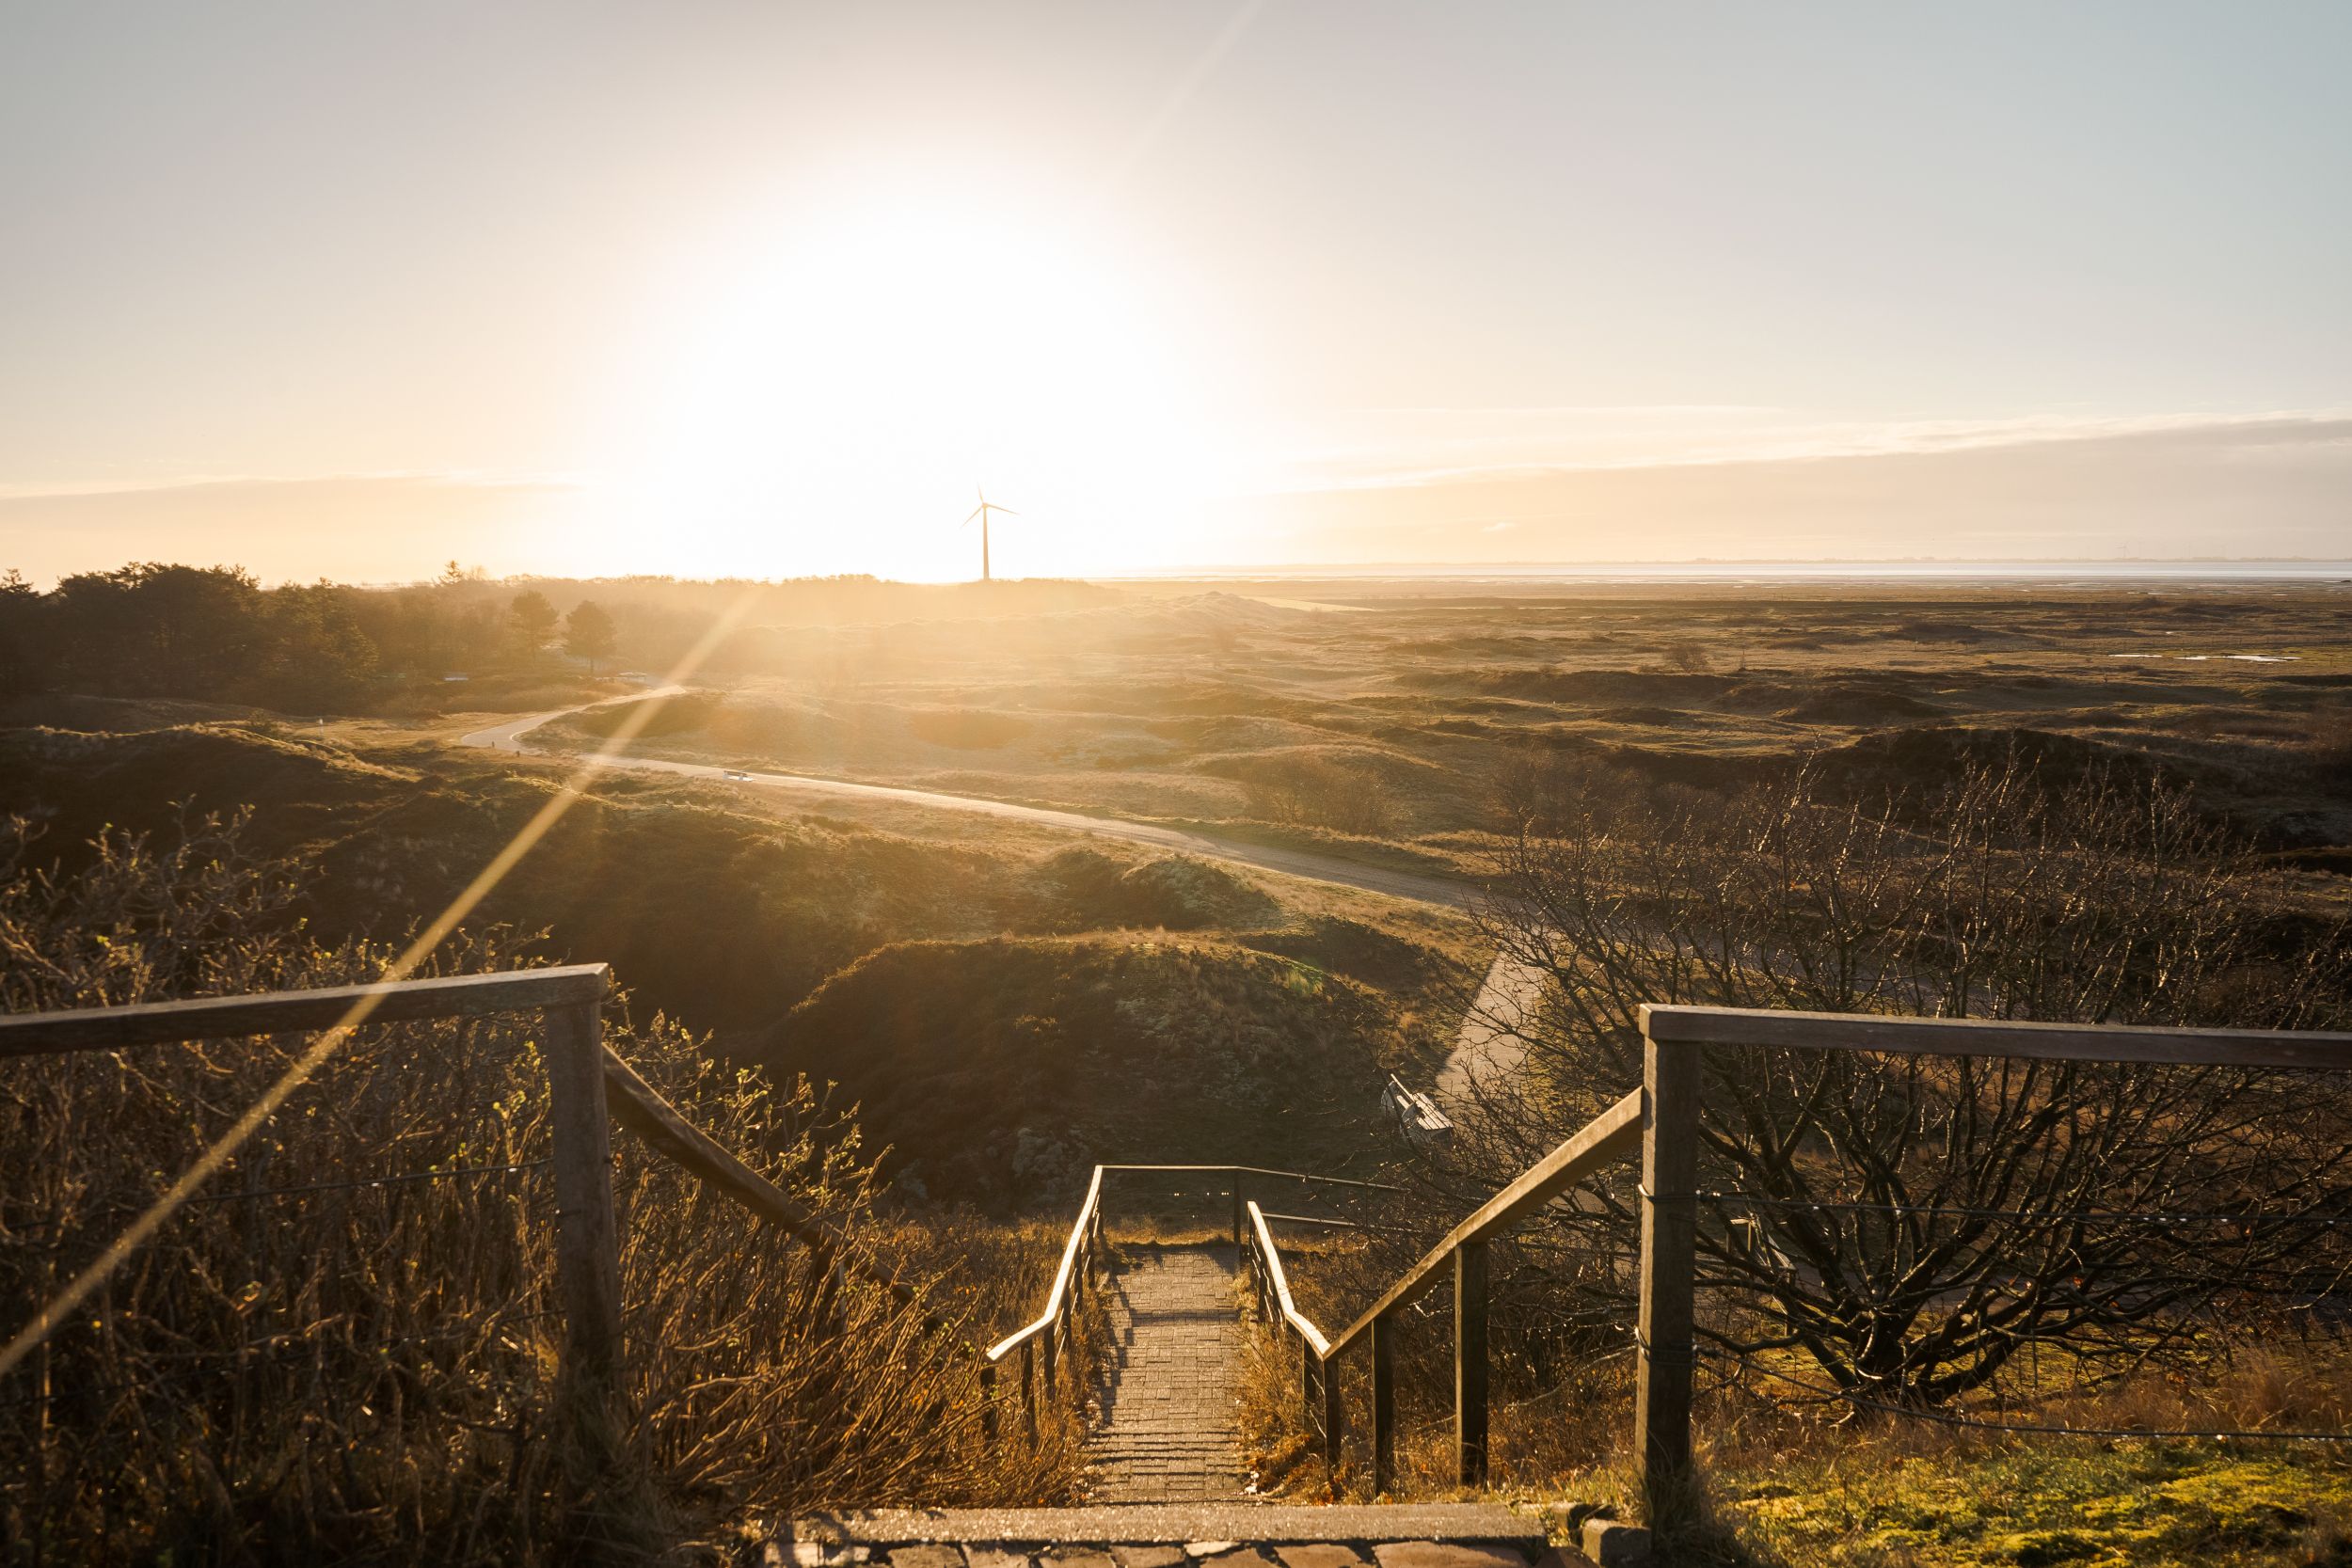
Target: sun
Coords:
[[851, 375]]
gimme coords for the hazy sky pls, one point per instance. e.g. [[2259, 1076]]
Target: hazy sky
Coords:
[[348, 289]]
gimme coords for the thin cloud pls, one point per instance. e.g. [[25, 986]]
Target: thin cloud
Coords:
[[1796, 444], [68, 489]]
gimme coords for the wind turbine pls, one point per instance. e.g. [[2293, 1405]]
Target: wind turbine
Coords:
[[981, 511]]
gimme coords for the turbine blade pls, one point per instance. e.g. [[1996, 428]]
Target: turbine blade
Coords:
[[974, 512], [1006, 510]]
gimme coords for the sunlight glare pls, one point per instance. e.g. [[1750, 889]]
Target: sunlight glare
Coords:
[[844, 393]]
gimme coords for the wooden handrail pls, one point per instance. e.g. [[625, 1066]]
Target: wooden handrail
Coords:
[[1089, 1210], [1681, 1024], [1660, 1123], [1613, 1136], [1071, 1252], [1674, 1037], [1280, 1280], [206, 1018], [569, 996], [636, 1102], [639, 1107], [1053, 1327], [569, 1000]]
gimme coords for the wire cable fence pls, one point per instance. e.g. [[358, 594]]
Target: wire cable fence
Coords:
[[1742, 1367], [2039, 1215]]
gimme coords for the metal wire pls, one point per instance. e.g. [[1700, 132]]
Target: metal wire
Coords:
[[1493, 1410], [401, 1180], [2086, 1215], [1942, 1418]]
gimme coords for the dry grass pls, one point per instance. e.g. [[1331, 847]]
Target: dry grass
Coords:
[[1784, 1485], [1002, 1070], [1883, 1491], [308, 1366], [2327, 746], [1392, 724]]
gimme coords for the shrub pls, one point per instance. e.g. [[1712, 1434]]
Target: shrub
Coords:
[[1691, 657], [1317, 792]]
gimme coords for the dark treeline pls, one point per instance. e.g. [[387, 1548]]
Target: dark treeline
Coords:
[[214, 634]]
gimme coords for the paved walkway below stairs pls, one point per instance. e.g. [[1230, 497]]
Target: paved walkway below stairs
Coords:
[[1165, 1429], [1210, 1535]]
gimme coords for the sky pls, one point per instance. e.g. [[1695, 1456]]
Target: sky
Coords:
[[768, 289]]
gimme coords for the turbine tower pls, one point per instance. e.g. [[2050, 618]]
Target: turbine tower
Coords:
[[981, 511]]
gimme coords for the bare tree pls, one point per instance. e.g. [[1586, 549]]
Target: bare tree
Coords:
[[1909, 1224]]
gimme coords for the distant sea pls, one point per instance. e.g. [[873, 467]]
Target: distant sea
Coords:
[[1795, 571]]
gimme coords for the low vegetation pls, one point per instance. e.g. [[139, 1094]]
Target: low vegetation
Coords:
[[215, 634], [1796, 1485], [1719, 797], [1002, 1070], [347, 1345]]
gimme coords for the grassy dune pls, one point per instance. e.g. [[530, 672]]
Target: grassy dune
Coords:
[[1001, 1071], [1393, 723], [1010, 1006], [728, 919]]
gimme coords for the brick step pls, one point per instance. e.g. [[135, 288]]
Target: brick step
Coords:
[[1163, 1414], [1174, 1535], [1113, 1442]]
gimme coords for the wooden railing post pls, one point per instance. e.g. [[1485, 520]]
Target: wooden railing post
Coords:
[[1670, 1149], [1237, 1209], [1329, 1370], [988, 1401], [1470, 1362], [1383, 1403], [1307, 1391], [587, 1237], [1076, 1370], [1028, 1386]]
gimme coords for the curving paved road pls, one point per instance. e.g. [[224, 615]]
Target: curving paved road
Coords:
[[1294, 862], [1487, 1044]]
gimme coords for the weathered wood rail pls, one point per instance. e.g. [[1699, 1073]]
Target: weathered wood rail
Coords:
[[1042, 1342], [1660, 1122], [589, 1087]]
